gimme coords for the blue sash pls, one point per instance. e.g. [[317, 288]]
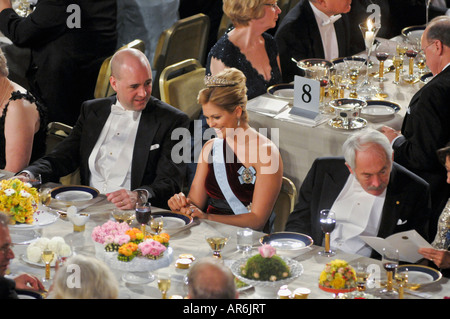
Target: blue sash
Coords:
[[222, 179]]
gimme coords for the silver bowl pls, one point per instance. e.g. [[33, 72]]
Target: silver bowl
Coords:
[[347, 110], [313, 67]]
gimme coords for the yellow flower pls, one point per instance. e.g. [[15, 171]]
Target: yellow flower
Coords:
[[19, 200], [338, 281]]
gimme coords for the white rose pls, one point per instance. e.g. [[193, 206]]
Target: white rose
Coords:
[[34, 253], [64, 250], [54, 242], [24, 194], [42, 242], [9, 191]]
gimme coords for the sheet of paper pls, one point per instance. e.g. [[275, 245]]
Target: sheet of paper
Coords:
[[407, 243], [267, 105]]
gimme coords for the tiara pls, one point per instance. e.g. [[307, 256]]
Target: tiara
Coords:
[[214, 81]]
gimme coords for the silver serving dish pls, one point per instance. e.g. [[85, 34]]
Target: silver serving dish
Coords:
[[313, 67]]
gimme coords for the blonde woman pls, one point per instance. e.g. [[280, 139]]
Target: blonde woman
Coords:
[[84, 277], [239, 173], [248, 47], [22, 124]]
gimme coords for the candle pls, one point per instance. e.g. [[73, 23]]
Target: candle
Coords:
[[369, 35]]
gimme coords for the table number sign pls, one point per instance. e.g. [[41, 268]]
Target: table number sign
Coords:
[[306, 97]]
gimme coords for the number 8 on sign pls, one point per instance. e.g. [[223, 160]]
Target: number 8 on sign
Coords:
[[306, 94]]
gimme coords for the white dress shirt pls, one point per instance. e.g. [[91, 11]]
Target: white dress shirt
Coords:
[[110, 160], [327, 32], [357, 213]]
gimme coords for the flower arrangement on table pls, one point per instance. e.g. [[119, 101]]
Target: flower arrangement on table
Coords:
[[265, 266], [338, 275], [19, 200], [129, 242]]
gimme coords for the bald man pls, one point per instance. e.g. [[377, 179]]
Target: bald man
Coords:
[[123, 143], [209, 278]]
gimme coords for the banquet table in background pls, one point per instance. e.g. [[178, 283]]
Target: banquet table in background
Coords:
[[191, 240], [145, 20], [301, 142]]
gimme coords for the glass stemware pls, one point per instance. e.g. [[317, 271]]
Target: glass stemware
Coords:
[[36, 182], [381, 55], [397, 61], [327, 219], [164, 285], [216, 243], [143, 214], [427, 2], [45, 196], [47, 257], [369, 31], [421, 62], [353, 65], [362, 274], [411, 54], [323, 76], [390, 263], [401, 278], [156, 224]]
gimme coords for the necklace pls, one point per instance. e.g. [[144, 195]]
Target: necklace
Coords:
[[5, 91]]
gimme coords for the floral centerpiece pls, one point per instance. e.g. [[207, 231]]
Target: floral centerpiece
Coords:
[[338, 276], [265, 266], [19, 200], [129, 242]]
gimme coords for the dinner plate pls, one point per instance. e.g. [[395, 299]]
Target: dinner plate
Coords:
[[426, 77], [175, 222], [41, 218], [377, 108], [354, 58], [282, 91], [287, 240], [38, 264], [421, 275], [356, 123], [74, 193], [23, 236], [413, 33]]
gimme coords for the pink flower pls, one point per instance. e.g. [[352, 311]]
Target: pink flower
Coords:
[[107, 232], [267, 251], [151, 247]]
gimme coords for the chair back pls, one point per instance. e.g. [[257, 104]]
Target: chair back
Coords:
[[103, 87], [186, 39], [284, 204], [224, 26], [180, 83], [56, 133]]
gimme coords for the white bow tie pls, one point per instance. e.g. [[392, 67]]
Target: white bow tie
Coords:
[[118, 110], [332, 19]]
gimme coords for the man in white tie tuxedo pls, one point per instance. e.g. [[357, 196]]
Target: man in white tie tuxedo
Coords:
[[313, 29], [370, 194], [123, 143]]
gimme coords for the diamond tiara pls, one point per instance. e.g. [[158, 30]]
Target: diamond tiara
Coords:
[[214, 81]]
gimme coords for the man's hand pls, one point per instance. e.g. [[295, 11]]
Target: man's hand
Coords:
[[25, 281], [390, 133], [123, 199]]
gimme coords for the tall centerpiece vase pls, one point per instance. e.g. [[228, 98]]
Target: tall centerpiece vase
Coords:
[[369, 31]]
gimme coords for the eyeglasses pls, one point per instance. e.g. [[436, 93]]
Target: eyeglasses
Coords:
[[6, 248], [273, 5], [423, 49]]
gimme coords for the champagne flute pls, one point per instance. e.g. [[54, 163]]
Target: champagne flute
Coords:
[[401, 278], [217, 242], [398, 63], [156, 224], [143, 214], [47, 257], [421, 62], [164, 285], [327, 219], [390, 263]]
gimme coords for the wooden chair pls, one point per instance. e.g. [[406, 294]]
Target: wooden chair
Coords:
[[285, 204], [57, 132], [179, 85], [103, 87], [186, 39]]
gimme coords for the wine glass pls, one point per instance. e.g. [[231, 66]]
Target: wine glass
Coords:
[[401, 278], [427, 2], [382, 55], [47, 257], [217, 242], [397, 61], [390, 263], [327, 219], [353, 65], [143, 214], [323, 76], [421, 62], [45, 196], [362, 274], [36, 182], [156, 224], [164, 285], [411, 54]]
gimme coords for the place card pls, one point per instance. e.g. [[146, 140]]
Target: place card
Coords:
[[306, 97]]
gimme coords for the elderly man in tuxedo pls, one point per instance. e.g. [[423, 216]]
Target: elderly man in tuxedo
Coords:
[[426, 126], [371, 195], [122, 144], [313, 29]]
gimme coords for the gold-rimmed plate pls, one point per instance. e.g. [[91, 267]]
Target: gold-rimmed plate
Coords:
[[282, 91], [419, 276], [287, 240]]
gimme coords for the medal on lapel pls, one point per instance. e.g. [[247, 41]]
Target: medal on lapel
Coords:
[[247, 175]]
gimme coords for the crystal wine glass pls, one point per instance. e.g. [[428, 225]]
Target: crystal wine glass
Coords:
[[327, 219], [401, 278], [217, 242], [156, 224], [164, 285], [143, 214], [421, 62], [390, 263], [324, 80], [411, 54], [45, 196], [353, 65], [47, 257], [397, 61], [362, 274], [382, 55]]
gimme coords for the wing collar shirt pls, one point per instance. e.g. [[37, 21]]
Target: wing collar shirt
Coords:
[[357, 213], [327, 32], [110, 160]]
